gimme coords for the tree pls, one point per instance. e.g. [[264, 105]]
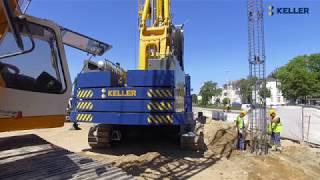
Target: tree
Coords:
[[300, 78], [314, 66], [194, 99], [264, 93], [208, 90], [273, 74], [217, 102], [246, 90], [225, 101]]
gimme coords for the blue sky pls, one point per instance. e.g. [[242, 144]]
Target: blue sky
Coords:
[[215, 33]]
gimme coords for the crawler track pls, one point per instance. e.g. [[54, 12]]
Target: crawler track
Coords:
[[30, 157]]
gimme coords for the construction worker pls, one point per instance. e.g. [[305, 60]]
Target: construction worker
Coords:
[[275, 128], [75, 125], [241, 130]]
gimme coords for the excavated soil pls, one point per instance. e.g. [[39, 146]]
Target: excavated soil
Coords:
[[220, 138], [162, 159]]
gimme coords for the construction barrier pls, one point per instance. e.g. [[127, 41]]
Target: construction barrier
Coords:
[[218, 114], [299, 123], [291, 119]]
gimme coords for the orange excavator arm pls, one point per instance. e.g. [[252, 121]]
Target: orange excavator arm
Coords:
[[4, 26]]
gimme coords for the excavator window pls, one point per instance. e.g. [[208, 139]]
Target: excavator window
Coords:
[[39, 70]]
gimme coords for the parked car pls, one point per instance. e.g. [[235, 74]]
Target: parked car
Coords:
[[236, 104], [246, 107]]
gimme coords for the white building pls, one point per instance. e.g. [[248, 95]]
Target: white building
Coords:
[[276, 97], [230, 90]]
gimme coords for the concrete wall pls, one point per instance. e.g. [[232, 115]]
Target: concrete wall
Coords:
[[229, 117]]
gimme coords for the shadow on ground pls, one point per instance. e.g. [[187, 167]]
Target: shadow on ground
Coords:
[[151, 158]]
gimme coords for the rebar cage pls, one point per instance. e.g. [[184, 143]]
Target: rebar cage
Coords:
[[257, 115]]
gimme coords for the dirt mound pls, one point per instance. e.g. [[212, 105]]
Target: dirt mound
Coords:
[[219, 137]]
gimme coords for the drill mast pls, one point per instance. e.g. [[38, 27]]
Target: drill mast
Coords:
[[257, 116], [160, 40]]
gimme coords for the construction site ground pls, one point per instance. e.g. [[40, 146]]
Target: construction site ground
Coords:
[[162, 158]]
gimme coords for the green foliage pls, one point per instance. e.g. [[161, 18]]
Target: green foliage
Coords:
[[246, 86], [194, 99], [273, 74], [208, 90], [225, 101], [314, 65], [300, 78], [246, 90], [264, 93], [217, 102]]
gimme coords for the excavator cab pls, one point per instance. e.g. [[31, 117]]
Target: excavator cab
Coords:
[[34, 77], [35, 84]]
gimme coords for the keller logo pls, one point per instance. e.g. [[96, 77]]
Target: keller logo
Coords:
[[288, 11], [122, 93]]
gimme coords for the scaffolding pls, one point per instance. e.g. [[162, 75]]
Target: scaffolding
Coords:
[[257, 115]]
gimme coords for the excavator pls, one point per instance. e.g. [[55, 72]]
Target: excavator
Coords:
[[35, 84], [155, 97]]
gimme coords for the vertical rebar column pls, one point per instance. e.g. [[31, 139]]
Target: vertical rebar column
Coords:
[[257, 116]]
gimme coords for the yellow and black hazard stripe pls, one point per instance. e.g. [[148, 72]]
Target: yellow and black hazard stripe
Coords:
[[84, 117], [84, 106], [160, 93], [160, 119], [85, 94], [160, 106]]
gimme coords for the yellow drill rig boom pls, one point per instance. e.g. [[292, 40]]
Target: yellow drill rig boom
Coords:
[[159, 38]]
